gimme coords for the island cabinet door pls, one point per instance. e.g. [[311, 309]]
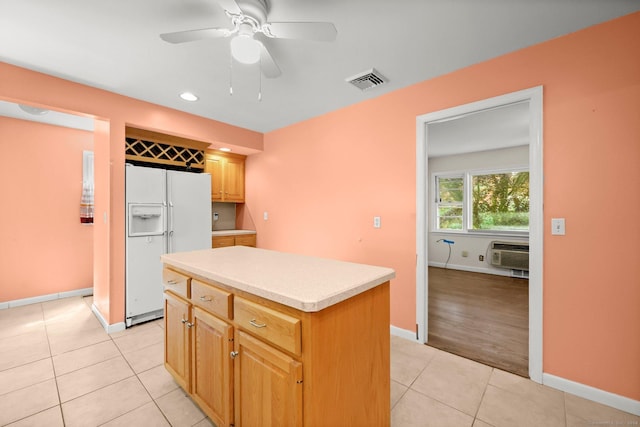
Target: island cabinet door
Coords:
[[176, 329], [268, 385], [212, 375]]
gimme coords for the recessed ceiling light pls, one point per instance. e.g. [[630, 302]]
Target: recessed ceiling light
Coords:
[[225, 149], [188, 96]]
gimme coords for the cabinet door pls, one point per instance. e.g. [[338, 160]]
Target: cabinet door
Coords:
[[222, 241], [268, 385], [234, 180], [246, 240], [214, 166], [176, 338], [212, 376]]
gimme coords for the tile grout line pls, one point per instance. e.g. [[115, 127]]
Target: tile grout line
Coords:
[[53, 366], [40, 382], [142, 383], [564, 404], [484, 392]]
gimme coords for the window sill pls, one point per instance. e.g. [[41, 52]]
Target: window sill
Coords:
[[487, 233]]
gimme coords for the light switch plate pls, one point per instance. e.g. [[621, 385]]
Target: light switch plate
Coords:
[[557, 226]]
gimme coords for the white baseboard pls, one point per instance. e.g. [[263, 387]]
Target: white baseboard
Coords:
[[116, 327], [44, 298], [591, 393], [587, 392], [404, 333], [495, 271]]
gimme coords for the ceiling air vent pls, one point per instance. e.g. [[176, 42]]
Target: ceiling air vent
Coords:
[[367, 79]]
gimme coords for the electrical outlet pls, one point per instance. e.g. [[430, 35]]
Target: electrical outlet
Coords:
[[265, 215], [480, 257], [376, 222]]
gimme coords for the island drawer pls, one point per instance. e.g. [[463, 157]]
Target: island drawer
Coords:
[[212, 299], [270, 325], [175, 282]]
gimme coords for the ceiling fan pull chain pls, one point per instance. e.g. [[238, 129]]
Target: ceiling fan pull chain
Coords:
[[230, 75], [260, 80]]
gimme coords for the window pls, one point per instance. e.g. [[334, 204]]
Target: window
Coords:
[[483, 202], [450, 202], [500, 201]]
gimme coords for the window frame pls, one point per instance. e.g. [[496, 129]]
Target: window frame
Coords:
[[467, 219], [438, 203]]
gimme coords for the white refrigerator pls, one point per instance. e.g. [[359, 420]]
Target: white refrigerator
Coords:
[[166, 211]]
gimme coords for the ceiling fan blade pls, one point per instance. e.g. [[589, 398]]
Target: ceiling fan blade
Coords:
[[268, 65], [230, 5], [193, 35], [320, 31]]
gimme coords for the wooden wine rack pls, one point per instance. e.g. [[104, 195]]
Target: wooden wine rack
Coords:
[[156, 152], [151, 147]]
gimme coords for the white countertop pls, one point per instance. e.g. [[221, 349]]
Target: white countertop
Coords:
[[231, 232], [302, 282]]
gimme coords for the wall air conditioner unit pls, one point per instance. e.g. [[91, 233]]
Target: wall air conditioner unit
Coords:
[[513, 255]]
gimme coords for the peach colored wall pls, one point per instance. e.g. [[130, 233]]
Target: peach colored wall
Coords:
[[323, 180], [41, 185], [102, 289], [115, 111]]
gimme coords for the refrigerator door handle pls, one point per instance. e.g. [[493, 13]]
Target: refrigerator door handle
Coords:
[[169, 184], [170, 229]]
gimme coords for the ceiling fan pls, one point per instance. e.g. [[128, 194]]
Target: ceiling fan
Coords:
[[251, 29]]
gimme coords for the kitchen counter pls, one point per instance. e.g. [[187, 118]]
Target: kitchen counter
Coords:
[[217, 233], [302, 282]]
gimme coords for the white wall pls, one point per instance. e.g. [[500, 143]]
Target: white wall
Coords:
[[475, 245]]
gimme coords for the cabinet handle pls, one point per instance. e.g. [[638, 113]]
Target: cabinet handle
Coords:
[[256, 324], [171, 282], [189, 324], [206, 298], [184, 320], [234, 354]]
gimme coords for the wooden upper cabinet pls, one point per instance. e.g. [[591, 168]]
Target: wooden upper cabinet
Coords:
[[213, 166], [227, 176], [234, 180]]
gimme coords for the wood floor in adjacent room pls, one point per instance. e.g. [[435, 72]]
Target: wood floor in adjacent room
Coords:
[[482, 317]]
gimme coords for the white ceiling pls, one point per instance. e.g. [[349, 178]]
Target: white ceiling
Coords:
[[491, 129], [9, 109], [114, 45]]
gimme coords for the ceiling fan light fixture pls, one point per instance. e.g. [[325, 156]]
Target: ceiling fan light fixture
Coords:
[[245, 49]]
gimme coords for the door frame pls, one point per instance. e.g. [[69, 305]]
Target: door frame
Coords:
[[536, 220]]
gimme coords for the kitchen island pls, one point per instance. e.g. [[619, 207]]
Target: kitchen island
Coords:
[[260, 337]]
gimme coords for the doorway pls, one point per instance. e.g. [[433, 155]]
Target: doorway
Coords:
[[50, 194], [533, 98]]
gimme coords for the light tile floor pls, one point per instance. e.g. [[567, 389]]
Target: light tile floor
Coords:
[[59, 367]]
